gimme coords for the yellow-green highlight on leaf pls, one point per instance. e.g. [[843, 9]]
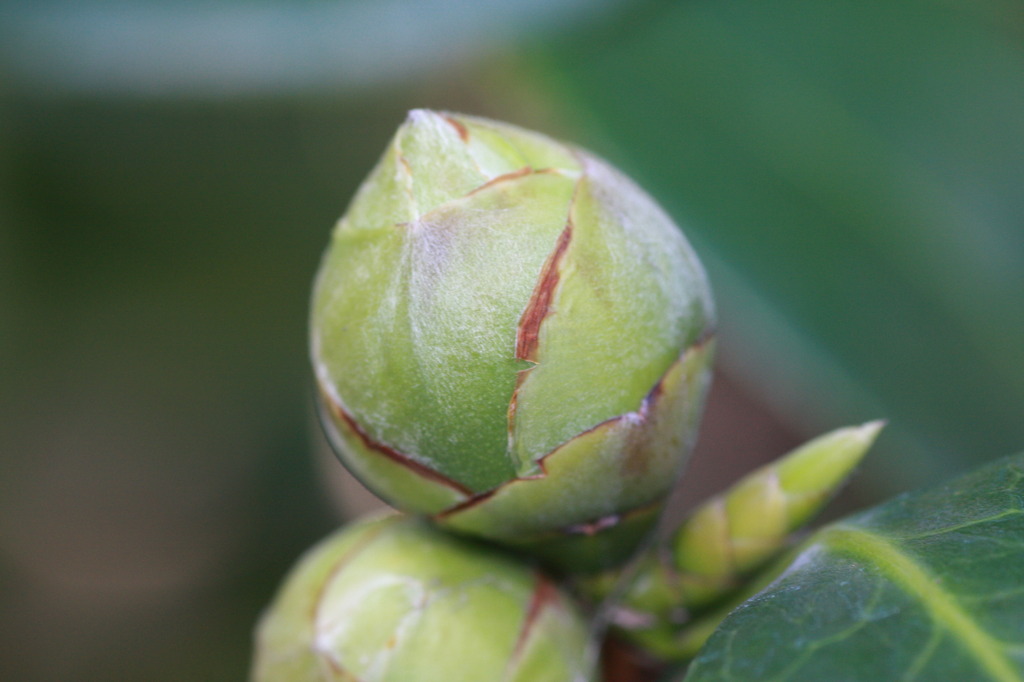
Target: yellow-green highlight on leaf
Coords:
[[904, 571], [927, 586]]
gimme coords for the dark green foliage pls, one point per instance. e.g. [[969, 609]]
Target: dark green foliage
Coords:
[[929, 586], [850, 174]]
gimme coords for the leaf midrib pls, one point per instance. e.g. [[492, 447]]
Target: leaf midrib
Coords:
[[915, 579]]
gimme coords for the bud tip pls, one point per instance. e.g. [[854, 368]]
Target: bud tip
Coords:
[[868, 431]]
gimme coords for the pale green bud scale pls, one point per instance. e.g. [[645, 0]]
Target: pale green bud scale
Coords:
[[717, 549], [507, 333], [394, 600], [751, 521]]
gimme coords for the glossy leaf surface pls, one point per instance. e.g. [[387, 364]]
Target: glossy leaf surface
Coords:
[[929, 586]]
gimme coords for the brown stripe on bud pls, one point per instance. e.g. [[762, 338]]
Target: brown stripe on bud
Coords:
[[641, 414], [343, 562], [394, 455], [513, 405], [528, 333], [594, 527], [544, 594], [459, 128], [466, 504], [504, 177]]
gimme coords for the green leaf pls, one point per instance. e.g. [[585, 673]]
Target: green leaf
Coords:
[[850, 174], [929, 586]]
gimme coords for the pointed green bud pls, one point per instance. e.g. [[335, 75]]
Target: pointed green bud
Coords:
[[810, 475], [727, 538], [512, 337], [394, 599], [737, 531]]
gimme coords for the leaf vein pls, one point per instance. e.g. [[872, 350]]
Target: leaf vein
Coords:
[[961, 526], [942, 606]]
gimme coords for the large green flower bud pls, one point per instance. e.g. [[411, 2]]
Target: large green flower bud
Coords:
[[395, 600], [510, 336]]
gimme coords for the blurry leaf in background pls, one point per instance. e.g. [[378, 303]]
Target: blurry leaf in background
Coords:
[[851, 174], [169, 175], [217, 48]]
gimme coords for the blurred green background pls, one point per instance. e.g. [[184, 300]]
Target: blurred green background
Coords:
[[852, 174]]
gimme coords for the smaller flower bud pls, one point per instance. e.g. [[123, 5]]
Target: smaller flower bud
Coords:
[[394, 599], [728, 538]]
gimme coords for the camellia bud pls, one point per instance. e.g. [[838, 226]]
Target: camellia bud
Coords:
[[394, 599], [511, 337], [716, 550]]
